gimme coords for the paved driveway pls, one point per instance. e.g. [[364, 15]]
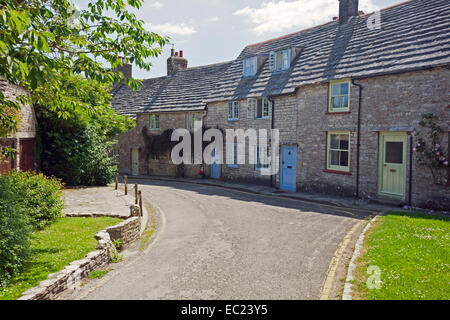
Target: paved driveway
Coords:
[[217, 243]]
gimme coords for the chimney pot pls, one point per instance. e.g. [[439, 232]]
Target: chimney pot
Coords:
[[172, 52], [176, 62]]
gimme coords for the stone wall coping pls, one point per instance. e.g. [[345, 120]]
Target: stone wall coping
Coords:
[[77, 270]]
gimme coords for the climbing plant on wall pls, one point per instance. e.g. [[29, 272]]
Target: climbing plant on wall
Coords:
[[429, 150]]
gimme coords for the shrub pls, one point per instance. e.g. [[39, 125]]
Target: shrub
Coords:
[[39, 196], [79, 156], [14, 240]]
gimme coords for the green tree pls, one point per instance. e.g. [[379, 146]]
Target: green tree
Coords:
[[77, 149], [44, 41]]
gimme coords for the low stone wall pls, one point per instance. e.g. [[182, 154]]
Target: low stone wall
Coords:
[[127, 231]]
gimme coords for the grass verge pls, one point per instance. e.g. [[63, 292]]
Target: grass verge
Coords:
[[412, 253], [97, 274], [149, 230], [67, 240]]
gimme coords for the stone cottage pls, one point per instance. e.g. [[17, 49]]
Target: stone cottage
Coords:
[[346, 97], [24, 139], [171, 102]]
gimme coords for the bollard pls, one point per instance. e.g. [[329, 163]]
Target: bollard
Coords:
[[126, 185], [136, 194], [140, 203], [117, 181]]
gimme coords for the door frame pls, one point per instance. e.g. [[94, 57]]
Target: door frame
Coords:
[[295, 148], [381, 155]]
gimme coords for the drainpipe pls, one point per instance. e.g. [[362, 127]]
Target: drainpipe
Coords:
[[272, 126], [358, 136], [410, 169]]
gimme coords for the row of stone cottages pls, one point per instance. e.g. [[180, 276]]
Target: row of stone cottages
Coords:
[[345, 97]]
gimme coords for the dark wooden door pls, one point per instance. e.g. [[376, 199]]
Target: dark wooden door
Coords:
[[26, 154]]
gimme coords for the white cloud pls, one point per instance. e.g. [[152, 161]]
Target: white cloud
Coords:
[[276, 16], [156, 5], [181, 29], [213, 19]]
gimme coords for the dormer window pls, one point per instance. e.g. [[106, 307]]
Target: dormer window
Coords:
[[280, 60], [250, 66]]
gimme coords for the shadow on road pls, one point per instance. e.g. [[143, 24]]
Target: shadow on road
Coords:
[[217, 191]]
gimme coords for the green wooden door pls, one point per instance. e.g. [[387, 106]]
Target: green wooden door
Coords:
[[392, 162]]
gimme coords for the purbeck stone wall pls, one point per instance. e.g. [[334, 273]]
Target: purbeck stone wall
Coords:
[[149, 165]]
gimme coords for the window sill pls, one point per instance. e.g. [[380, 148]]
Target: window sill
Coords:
[[232, 120], [345, 173], [232, 166], [155, 129], [265, 118], [337, 112]]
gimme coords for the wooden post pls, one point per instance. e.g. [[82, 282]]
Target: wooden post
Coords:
[[140, 203], [136, 194], [126, 185], [117, 181]]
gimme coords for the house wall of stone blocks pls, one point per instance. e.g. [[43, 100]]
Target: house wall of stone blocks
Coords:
[[392, 103], [149, 165], [23, 139]]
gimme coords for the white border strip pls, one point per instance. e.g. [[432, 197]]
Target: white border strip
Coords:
[[347, 294]]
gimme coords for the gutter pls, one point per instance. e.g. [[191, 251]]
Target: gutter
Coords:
[[272, 126], [358, 136]]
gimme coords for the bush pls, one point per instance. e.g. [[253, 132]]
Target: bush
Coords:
[[39, 196], [79, 156], [14, 239]]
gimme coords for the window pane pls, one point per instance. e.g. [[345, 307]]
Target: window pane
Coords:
[[334, 158], [344, 89], [265, 108], [334, 141], [259, 112], [394, 152], [344, 159], [335, 90], [343, 142], [279, 60]]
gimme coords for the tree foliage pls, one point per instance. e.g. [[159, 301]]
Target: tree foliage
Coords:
[[77, 149], [45, 41]]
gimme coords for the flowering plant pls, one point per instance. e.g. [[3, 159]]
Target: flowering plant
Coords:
[[428, 148]]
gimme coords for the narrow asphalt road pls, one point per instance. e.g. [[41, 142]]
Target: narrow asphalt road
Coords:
[[225, 244]]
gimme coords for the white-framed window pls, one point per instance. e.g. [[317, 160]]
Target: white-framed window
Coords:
[[262, 112], [338, 151], [339, 96], [191, 118], [258, 108], [280, 60], [233, 110], [250, 66], [262, 157], [154, 122], [251, 108], [232, 155]]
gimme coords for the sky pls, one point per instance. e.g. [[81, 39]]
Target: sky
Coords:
[[213, 31]]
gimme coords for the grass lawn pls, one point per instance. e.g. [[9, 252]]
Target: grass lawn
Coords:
[[67, 240], [412, 251]]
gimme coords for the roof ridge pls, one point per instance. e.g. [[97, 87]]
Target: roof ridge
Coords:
[[321, 25]]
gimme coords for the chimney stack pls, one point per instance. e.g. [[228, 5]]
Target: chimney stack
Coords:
[[126, 69], [176, 62], [347, 9]]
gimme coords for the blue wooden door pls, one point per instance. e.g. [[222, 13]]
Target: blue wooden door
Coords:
[[289, 168], [215, 167]]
